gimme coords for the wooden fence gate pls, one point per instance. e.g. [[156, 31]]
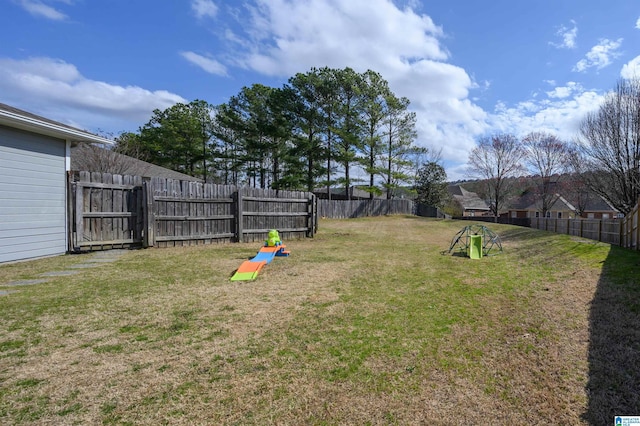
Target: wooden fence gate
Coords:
[[105, 211]]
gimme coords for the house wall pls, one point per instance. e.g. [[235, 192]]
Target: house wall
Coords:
[[475, 213], [531, 214], [601, 215], [518, 214], [32, 195]]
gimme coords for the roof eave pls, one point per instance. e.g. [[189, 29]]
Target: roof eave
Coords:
[[49, 129]]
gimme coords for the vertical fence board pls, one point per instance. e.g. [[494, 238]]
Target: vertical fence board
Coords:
[[118, 225]]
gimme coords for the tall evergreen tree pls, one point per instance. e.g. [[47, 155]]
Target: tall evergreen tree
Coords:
[[374, 111], [431, 185], [328, 101], [400, 133], [229, 151], [306, 106], [178, 137], [348, 124]]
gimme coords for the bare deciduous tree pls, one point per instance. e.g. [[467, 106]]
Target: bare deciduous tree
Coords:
[[610, 142], [577, 188], [548, 160], [87, 157], [495, 160]]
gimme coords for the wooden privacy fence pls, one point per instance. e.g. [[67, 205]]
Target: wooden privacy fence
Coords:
[[609, 231], [621, 232], [605, 230], [109, 211], [344, 209]]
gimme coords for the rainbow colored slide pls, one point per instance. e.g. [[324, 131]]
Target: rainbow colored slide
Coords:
[[250, 268]]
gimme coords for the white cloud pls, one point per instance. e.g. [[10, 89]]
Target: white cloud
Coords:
[[562, 92], [638, 24], [600, 55], [289, 36], [207, 64], [204, 8], [568, 37], [40, 9], [631, 69], [60, 89], [283, 37], [560, 114]]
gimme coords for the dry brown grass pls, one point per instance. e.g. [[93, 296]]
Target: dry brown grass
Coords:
[[365, 324]]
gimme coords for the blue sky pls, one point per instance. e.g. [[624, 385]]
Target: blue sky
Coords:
[[469, 67]]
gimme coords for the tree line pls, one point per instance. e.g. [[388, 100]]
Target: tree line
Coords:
[[604, 159], [321, 126], [311, 133]]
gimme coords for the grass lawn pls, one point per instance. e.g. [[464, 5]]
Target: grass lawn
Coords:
[[367, 323]]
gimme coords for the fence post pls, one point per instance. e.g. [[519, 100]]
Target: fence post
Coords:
[[625, 231], [148, 216], [70, 207], [237, 198], [79, 219], [310, 216], [621, 232], [637, 222], [600, 230]]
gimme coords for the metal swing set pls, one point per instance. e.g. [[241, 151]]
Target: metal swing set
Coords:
[[466, 242]]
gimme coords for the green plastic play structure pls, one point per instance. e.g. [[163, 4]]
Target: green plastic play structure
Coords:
[[475, 241], [475, 247]]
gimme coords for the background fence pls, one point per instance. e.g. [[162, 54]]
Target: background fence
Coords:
[[621, 232], [344, 209], [606, 230], [109, 211]]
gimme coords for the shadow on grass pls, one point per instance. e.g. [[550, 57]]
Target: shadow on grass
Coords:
[[613, 388]]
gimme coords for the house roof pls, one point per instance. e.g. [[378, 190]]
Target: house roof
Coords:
[[596, 203], [559, 204], [24, 120], [85, 156], [593, 203], [467, 199]]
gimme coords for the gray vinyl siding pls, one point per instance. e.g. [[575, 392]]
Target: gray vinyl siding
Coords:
[[32, 195]]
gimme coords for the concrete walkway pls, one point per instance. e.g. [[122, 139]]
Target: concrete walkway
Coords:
[[91, 261]]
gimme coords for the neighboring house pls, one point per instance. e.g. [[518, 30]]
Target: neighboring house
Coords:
[[529, 206], [470, 202], [598, 208], [34, 160], [91, 158], [595, 207]]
